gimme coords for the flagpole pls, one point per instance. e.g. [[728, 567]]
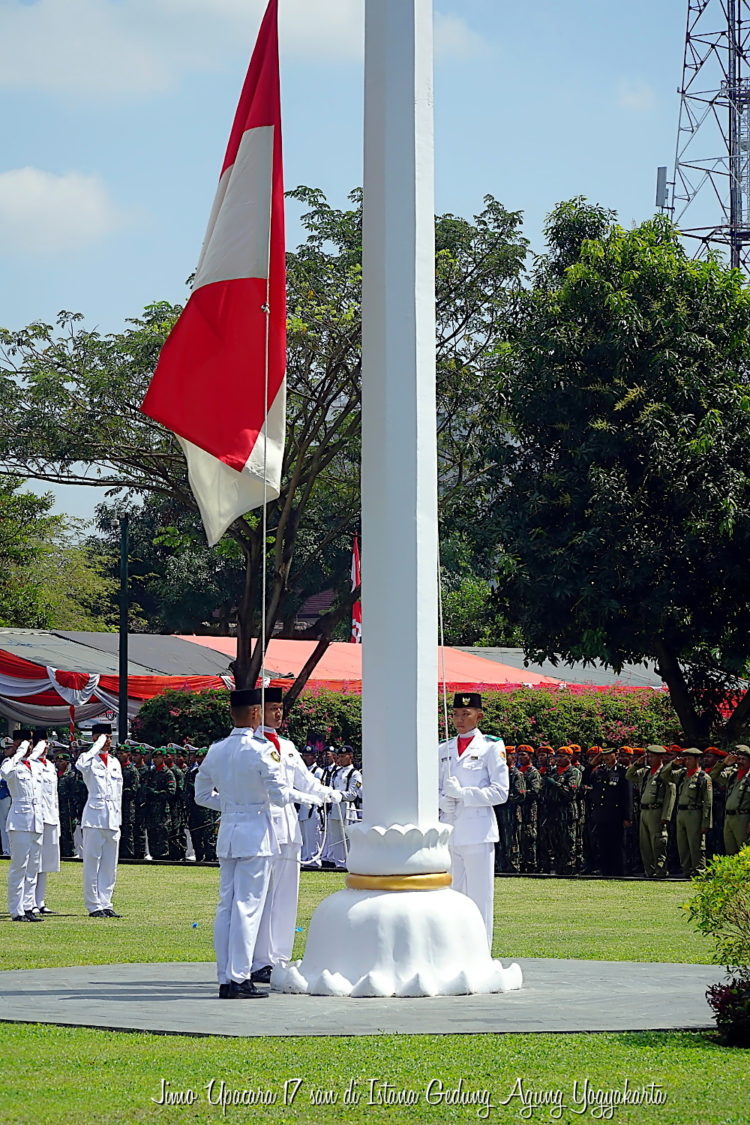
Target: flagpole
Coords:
[[420, 938]]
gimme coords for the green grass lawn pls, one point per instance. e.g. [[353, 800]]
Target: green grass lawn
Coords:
[[168, 916], [55, 1075]]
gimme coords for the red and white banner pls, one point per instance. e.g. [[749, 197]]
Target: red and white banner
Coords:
[[356, 637], [219, 384]]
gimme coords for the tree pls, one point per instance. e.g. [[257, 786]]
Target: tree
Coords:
[[74, 589], [48, 579], [25, 524], [619, 490], [72, 399]]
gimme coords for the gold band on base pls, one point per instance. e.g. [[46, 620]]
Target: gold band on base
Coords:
[[430, 882]]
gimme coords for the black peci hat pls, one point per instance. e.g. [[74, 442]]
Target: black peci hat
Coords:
[[244, 697], [101, 728], [23, 734], [274, 695], [467, 699], [40, 734]]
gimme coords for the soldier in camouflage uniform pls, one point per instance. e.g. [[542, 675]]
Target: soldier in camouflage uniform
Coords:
[[657, 799], [560, 786], [131, 783], [529, 809], [712, 755], [732, 775], [508, 816], [159, 790], [694, 808], [177, 839], [143, 765], [67, 800], [200, 820]]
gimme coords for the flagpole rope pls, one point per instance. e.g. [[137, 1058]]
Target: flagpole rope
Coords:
[[264, 517], [442, 643]]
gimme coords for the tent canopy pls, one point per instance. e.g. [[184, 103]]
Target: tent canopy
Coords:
[[341, 664]]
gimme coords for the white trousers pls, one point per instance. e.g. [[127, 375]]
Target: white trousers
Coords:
[[279, 916], [336, 842], [311, 838], [243, 885], [474, 876], [100, 848], [25, 858], [50, 861], [4, 810]]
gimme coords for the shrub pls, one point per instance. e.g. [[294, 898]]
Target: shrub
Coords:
[[730, 1004], [601, 718], [720, 908]]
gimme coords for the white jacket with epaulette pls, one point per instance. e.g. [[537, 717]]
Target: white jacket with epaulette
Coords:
[[482, 772]]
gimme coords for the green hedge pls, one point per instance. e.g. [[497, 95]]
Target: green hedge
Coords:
[[590, 718]]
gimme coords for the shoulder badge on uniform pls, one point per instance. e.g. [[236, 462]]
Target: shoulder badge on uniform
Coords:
[[358, 784], [276, 755]]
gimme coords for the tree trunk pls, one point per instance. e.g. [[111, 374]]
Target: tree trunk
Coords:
[[695, 728]]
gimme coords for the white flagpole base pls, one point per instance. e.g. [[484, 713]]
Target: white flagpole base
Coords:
[[396, 943], [372, 940]]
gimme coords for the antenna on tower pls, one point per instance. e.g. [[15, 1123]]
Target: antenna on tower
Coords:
[[711, 189]]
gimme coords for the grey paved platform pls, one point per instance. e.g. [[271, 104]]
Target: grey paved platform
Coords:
[[558, 996]]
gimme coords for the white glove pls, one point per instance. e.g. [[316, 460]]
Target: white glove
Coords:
[[453, 788], [335, 796]]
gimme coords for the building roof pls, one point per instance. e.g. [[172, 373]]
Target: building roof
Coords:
[[598, 674]]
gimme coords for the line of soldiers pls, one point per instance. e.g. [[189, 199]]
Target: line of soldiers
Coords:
[[158, 803], [624, 811]]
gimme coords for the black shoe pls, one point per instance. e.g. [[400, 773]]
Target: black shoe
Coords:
[[20, 918], [245, 991], [46, 910], [225, 992], [262, 976], [110, 913], [32, 917], [97, 914]]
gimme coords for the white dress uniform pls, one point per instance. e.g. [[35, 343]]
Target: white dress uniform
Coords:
[[470, 786], [241, 777], [25, 826], [279, 916], [50, 859], [346, 780], [310, 826], [100, 826]]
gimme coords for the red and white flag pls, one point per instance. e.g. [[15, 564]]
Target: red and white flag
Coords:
[[219, 384], [356, 637]]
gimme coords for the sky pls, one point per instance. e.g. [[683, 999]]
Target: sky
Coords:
[[114, 117]]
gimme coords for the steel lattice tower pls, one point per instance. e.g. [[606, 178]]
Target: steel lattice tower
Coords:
[[711, 187]]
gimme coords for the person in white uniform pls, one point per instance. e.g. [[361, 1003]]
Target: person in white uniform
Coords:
[[50, 858], [473, 779], [100, 823], [346, 779], [241, 777], [310, 825], [279, 916], [4, 806], [25, 824]]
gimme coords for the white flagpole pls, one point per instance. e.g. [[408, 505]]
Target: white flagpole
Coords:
[[420, 938]]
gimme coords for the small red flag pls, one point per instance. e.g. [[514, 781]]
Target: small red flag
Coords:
[[356, 637], [219, 384]]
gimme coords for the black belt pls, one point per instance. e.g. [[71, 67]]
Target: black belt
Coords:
[[738, 812]]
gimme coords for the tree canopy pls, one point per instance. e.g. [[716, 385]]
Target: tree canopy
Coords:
[[619, 487], [72, 399]]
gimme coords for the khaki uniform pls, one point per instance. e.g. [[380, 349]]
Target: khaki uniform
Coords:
[[694, 807], [737, 809], [656, 805]]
